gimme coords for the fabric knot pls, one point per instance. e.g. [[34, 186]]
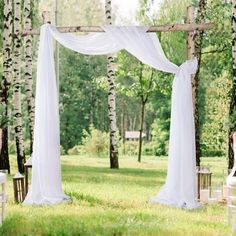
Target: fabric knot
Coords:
[[188, 68]]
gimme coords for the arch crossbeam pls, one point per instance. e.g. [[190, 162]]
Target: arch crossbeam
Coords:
[[158, 28]]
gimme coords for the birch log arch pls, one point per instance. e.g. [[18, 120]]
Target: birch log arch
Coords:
[[180, 187]]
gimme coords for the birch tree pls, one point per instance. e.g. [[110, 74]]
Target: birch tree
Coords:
[[5, 83], [111, 98], [17, 88], [233, 95], [28, 70]]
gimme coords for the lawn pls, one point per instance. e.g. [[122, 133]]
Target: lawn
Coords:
[[115, 202]]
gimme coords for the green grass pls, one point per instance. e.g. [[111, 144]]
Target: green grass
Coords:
[[114, 202]]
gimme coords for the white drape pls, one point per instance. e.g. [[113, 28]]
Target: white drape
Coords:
[[180, 187]]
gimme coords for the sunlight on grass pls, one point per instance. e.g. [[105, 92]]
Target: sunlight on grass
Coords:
[[115, 202]]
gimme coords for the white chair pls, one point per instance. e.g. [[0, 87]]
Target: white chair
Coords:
[[3, 196]]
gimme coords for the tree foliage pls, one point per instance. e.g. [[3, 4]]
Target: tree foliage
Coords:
[[83, 85]]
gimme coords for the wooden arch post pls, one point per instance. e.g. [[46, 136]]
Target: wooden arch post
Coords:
[[46, 17], [190, 55], [190, 37]]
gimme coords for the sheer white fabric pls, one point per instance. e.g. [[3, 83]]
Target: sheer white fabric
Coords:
[[180, 187]]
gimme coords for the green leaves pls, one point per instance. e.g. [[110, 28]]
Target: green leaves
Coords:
[[232, 120]]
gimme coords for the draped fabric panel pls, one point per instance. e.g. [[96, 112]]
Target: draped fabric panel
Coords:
[[180, 187]]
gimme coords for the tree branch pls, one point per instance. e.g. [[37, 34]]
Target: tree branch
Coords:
[[216, 51]]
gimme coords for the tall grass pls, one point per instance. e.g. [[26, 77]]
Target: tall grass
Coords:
[[115, 202]]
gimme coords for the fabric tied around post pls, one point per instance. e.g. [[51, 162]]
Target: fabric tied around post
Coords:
[[180, 187]]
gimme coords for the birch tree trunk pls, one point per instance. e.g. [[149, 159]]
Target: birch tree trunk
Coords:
[[111, 99], [143, 103], [233, 96], [28, 71], [6, 81], [144, 98], [17, 88], [198, 50]]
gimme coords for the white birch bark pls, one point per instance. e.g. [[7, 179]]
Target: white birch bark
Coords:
[[17, 88], [7, 45], [111, 98], [28, 70], [6, 81]]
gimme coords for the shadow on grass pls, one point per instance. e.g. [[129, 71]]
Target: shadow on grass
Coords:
[[124, 171], [142, 177]]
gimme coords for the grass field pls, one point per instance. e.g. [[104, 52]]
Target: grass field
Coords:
[[114, 202]]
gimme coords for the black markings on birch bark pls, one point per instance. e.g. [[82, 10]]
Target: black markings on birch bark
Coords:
[[28, 71], [111, 98], [17, 88], [6, 81]]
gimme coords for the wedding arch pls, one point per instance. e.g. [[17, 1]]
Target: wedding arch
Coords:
[[180, 187]]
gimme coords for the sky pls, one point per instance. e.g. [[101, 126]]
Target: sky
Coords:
[[126, 9]]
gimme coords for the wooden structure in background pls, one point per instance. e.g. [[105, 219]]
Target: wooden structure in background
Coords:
[[190, 27]]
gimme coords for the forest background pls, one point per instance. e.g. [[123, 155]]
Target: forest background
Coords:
[[83, 82]]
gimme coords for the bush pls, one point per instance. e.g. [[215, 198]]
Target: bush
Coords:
[[62, 150], [12, 147], [94, 142], [149, 148], [130, 148], [76, 150], [160, 137]]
